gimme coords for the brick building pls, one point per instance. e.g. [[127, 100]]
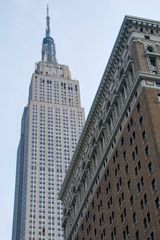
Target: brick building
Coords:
[[112, 188]]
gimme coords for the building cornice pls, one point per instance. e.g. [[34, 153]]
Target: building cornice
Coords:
[[128, 23]]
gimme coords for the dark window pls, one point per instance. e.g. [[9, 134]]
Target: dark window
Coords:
[[134, 217], [137, 235], [157, 202], [82, 227], [146, 36], [131, 200], [136, 150], [139, 187], [152, 236], [145, 223], [139, 165], [148, 217], [153, 183], [136, 171], [150, 48], [144, 136], [142, 182], [126, 168], [147, 151], [150, 167], [129, 184], [141, 121], [153, 61], [124, 154], [128, 127], [138, 107], [133, 155], [134, 135], [145, 198]]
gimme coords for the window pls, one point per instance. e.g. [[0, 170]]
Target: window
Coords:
[[124, 155], [136, 171], [150, 48], [129, 184], [157, 202], [150, 167], [144, 136], [143, 201], [134, 135], [92, 204], [131, 200], [153, 61], [136, 150], [122, 218], [142, 181], [122, 141], [137, 235], [138, 107], [148, 217], [152, 236], [82, 227], [134, 217], [139, 186], [147, 220], [147, 151], [154, 185], [146, 36], [139, 165], [145, 223], [141, 121], [133, 155], [126, 168]]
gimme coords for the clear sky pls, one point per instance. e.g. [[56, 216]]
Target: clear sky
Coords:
[[84, 33]]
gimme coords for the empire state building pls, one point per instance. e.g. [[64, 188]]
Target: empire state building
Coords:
[[51, 125]]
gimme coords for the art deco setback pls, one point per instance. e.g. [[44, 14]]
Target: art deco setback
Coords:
[[51, 125]]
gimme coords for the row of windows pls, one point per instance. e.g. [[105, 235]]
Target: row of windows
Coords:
[[143, 201]]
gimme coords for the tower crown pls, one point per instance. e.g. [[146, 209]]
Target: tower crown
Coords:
[[48, 46]]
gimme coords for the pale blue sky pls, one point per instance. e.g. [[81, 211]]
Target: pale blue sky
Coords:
[[84, 33]]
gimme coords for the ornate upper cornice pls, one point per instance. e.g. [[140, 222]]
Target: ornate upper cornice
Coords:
[[129, 24]]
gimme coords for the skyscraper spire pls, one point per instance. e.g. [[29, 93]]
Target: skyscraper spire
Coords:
[[47, 10], [48, 46], [48, 23]]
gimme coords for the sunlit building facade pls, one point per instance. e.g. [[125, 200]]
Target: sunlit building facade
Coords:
[[51, 125]]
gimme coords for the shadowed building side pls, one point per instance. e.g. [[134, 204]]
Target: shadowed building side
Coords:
[[111, 190]]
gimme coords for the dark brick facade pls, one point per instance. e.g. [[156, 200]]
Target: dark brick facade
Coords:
[[125, 201], [116, 167]]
